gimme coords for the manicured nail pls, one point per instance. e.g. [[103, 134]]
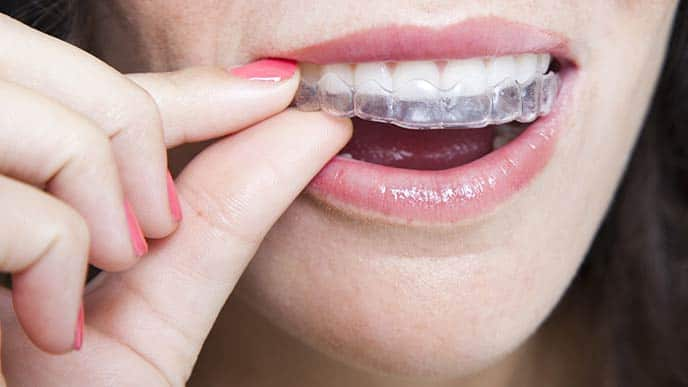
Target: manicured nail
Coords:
[[137, 239], [274, 70], [173, 198], [79, 331]]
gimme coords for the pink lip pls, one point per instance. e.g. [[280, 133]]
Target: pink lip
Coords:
[[460, 193]]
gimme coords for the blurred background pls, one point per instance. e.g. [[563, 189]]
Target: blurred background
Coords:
[[46, 15]]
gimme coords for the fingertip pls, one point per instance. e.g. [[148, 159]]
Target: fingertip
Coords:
[[42, 318], [266, 70], [173, 199], [79, 329], [336, 131], [343, 126], [138, 241], [153, 216]]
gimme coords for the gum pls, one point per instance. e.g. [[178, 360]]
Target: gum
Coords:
[[420, 105]]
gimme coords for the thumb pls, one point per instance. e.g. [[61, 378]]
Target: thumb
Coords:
[[232, 193]]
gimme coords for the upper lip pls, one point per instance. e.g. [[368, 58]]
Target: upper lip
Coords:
[[480, 37]]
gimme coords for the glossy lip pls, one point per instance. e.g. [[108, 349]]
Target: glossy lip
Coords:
[[458, 194]]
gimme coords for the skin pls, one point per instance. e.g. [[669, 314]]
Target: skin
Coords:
[[146, 320], [332, 298]]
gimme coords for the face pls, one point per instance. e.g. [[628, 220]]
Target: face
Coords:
[[417, 267]]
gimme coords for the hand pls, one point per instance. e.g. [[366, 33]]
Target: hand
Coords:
[[92, 137]]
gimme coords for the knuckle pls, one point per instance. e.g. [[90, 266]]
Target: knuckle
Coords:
[[72, 231], [139, 110], [86, 137], [143, 103], [63, 234], [91, 147]]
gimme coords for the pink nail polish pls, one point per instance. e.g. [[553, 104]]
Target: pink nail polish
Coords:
[[173, 198], [79, 331], [137, 239], [274, 70]]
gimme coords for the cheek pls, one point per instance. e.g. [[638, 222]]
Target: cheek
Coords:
[[414, 315]]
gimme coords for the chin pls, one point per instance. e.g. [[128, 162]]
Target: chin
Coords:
[[359, 293]]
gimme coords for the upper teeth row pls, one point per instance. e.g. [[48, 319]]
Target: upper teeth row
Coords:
[[470, 93], [475, 75]]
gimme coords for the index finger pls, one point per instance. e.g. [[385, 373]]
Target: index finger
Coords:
[[202, 103]]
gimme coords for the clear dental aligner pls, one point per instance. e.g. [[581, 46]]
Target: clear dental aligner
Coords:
[[505, 89]]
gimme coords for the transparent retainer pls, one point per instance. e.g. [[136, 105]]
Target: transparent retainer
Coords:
[[420, 105]]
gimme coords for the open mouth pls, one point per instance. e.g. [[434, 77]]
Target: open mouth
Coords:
[[437, 140], [460, 109]]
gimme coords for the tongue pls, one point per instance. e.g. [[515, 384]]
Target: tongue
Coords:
[[417, 149]]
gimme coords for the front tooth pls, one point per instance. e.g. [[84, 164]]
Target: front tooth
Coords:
[[343, 71], [526, 67], [307, 95], [469, 73], [373, 71], [335, 91], [499, 69], [310, 73], [543, 63], [418, 70]]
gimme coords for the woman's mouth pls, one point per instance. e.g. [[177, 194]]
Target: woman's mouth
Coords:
[[438, 140]]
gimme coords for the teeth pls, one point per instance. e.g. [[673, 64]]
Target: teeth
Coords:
[[417, 70], [469, 73], [310, 73], [499, 69], [474, 76], [543, 63], [373, 72], [433, 94], [307, 95], [526, 67], [344, 71]]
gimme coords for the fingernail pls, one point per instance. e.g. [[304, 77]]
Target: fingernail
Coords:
[[79, 331], [137, 239], [173, 198], [274, 70]]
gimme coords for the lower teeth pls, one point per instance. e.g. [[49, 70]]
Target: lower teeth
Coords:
[[420, 105]]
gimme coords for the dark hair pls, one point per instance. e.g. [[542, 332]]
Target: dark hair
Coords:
[[635, 277], [636, 271], [55, 17]]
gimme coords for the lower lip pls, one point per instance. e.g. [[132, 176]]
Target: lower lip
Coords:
[[453, 195]]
